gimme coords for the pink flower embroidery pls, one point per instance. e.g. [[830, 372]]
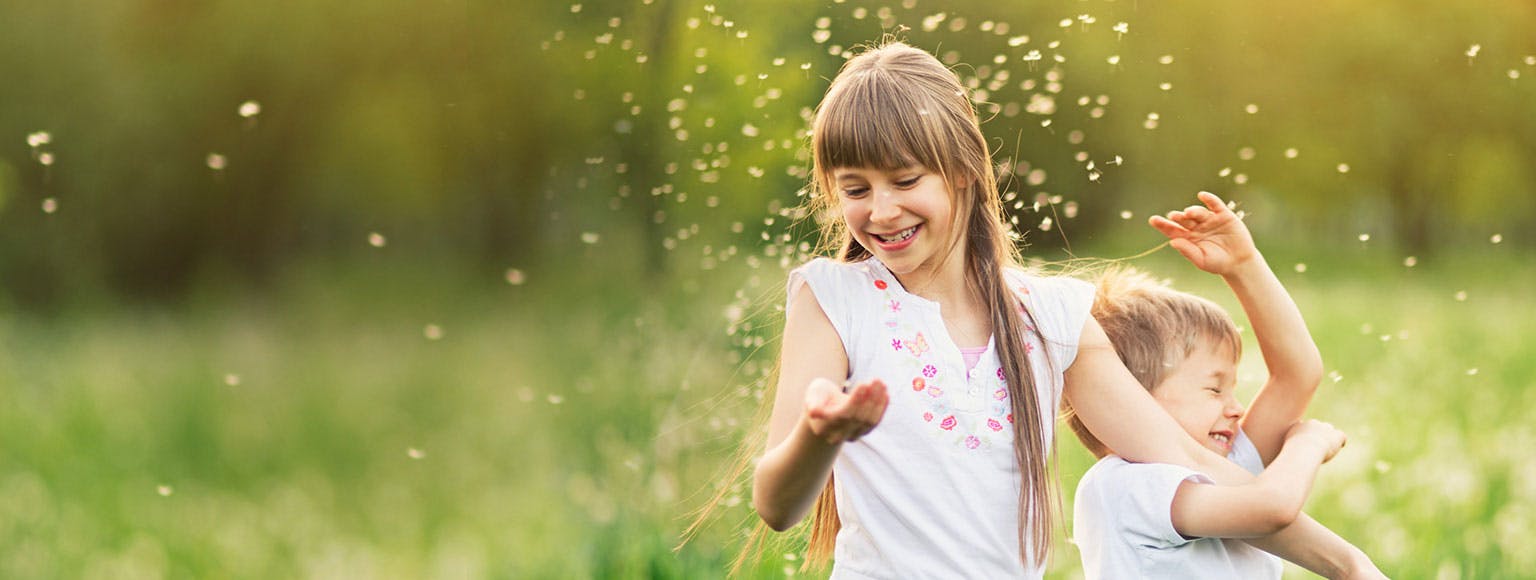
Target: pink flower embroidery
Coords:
[[971, 442], [1029, 347], [880, 284], [896, 343], [935, 391], [994, 425], [1000, 375], [895, 306], [948, 423], [930, 370], [918, 384], [1009, 417], [928, 416], [1000, 394]]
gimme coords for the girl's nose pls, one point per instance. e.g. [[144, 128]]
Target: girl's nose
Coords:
[[886, 209]]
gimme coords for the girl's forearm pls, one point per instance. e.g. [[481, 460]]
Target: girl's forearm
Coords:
[[1313, 546], [790, 477]]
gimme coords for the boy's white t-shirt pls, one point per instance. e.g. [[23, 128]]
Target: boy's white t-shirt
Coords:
[[933, 491], [1122, 524]]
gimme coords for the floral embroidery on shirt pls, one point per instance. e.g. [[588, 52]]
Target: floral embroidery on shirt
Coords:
[[930, 370], [917, 346], [918, 384]]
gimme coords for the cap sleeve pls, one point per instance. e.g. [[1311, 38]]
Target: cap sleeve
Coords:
[[1060, 306], [830, 282]]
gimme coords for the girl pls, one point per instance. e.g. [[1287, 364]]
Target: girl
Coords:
[[926, 327]]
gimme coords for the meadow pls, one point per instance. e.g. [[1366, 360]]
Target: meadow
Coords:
[[428, 419]]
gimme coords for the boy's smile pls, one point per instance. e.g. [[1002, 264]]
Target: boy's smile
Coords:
[[1199, 393]]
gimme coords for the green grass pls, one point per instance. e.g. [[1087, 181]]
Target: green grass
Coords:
[[566, 426]]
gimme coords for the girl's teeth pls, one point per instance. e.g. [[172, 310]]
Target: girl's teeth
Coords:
[[902, 235]]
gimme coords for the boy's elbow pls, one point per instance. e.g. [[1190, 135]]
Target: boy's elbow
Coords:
[[1277, 516]]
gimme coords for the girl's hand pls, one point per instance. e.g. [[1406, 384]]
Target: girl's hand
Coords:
[[836, 417], [1213, 238], [1314, 432]]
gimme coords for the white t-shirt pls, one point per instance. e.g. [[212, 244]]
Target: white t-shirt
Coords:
[[933, 492], [1123, 524]]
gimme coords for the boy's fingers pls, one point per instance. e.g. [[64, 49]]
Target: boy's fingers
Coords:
[[1166, 227], [1187, 249], [1212, 201]]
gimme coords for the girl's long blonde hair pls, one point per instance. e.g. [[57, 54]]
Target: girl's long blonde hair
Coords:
[[892, 107]]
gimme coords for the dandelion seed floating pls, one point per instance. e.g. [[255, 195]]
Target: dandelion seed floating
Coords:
[[516, 277], [1410, 261], [1365, 237], [376, 240], [46, 159], [1301, 268], [1251, 109], [1472, 371], [590, 238], [1472, 52], [1126, 214], [1121, 29], [164, 490], [216, 161], [1461, 296], [50, 205], [250, 109], [232, 380], [1343, 168], [1291, 153], [38, 139], [432, 332], [555, 399], [1496, 238], [414, 453]]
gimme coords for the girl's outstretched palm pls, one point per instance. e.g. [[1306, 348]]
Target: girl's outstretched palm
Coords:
[[836, 416], [1213, 238]]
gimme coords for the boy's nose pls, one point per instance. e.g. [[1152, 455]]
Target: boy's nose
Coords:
[[1234, 409]]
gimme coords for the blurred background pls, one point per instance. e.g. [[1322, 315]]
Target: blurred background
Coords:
[[490, 290]]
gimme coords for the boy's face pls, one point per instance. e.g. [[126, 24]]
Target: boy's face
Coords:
[[1198, 393]]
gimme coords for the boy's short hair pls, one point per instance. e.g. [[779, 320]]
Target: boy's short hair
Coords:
[[1153, 328]]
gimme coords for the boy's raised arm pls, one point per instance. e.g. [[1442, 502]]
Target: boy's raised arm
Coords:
[[1215, 240]]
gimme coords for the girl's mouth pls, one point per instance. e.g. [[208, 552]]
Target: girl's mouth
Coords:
[[899, 239]]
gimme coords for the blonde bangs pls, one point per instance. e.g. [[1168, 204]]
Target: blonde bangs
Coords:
[[867, 122]]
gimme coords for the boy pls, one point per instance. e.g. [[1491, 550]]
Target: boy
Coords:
[[1164, 521]]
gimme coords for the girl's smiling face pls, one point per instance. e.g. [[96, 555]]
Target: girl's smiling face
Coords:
[[905, 217], [1199, 394]]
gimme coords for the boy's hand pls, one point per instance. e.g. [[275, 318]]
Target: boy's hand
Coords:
[[835, 416], [1314, 432], [1213, 238]]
